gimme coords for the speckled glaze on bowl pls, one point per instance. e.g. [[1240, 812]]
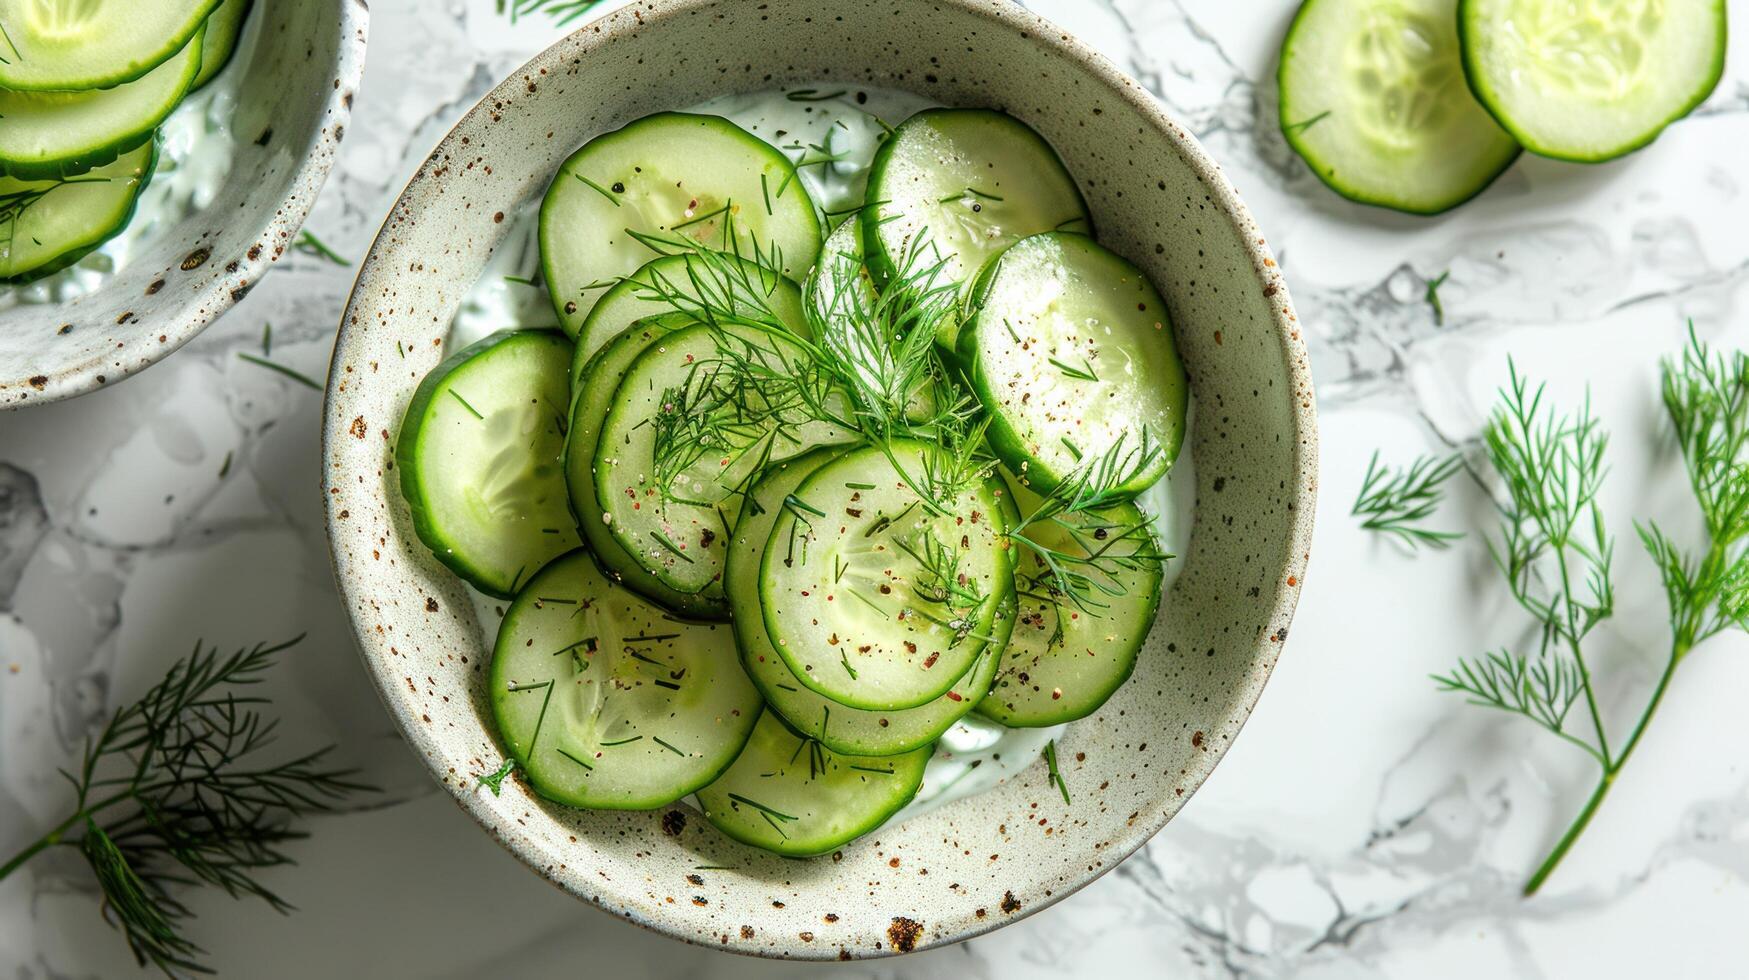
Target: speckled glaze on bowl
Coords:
[[296, 101], [980, 863]]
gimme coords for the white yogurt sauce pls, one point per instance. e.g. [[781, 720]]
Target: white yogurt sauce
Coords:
[[196, 149], [975, 754]]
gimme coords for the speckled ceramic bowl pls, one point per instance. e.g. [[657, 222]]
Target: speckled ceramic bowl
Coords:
[[976, 864], [296, 99]]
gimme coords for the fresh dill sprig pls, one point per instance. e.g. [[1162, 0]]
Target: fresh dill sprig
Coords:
[[275, 366], [1432, 297], [1396, 503], [1557, 556], [175, 791], [562, 12], [309, 244], [1055, 773]]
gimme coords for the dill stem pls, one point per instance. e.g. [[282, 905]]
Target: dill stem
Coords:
[[57, 835], [1681, 643], [1579, 656]]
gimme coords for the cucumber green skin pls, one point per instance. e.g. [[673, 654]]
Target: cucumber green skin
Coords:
[[198, 13], [407, 450], [813, 714], [224, 27], [570, 313], [1004, 439], [98, 154], [1287, 119], [70, 257], [605, 321], [746, 715], [592, 396], [1469, 24], [1028, 709], [993, 491], [760, 757], [881, 265]]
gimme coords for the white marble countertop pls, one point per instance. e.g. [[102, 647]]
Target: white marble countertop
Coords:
[[1364, 825]]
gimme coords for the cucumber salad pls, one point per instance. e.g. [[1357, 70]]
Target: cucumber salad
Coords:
[[821, 467], [114, 121]]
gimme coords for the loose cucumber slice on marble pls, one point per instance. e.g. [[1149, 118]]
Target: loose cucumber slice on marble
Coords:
[[961, 185], [1373, 97], [837, 726], [678, 444], [680, 177], [223, 29], [64, 45], [1065, 660], [652, 289], [480, 455], [47, 225], [1591, 80], [53, 134], [594, 390], [609, 703], [875, 598], [790, 795], [1070, 351]]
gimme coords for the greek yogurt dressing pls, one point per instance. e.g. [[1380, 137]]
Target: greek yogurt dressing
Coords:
[[975, 754], [196, 148]]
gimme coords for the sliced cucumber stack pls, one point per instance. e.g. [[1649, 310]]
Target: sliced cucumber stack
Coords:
[[681, 178], [1591, 80], [790, 795], [682, 438], [875, 597], [480, 459], [1373, 97], [55, 134], [61, 45], [47, 225], [1066, 658], [679, 284], [607, 702], [958, 186], [839, 727], [1071, 353], [595, 390]]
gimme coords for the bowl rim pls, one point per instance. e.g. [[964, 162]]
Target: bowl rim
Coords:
[[202, 308], [1004, 14]]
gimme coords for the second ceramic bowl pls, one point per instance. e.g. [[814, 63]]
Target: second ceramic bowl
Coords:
[[976, 864], [291, 109]]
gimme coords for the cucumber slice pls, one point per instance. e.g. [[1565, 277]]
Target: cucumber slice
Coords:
[[479, 454], [874, 599], [594, 396], [606, 702], [223, 29], [677, 175], [839, 728], [49, 45], [679, 443], [1071, 353], [842, 299], [631, 299], [962, 185], [1373, 97], [1591, 80], [1064, 661], [52, 134], [792, 796], [47, 225]]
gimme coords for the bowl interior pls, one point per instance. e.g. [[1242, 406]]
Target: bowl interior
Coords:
[[295, 100], [975, 864]]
